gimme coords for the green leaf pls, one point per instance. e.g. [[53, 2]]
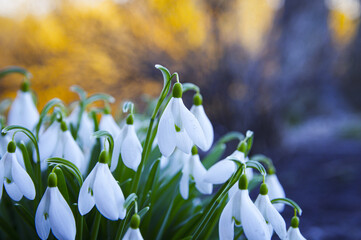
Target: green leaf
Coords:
[[62, 184], [151, 179], [15, 69], [131, 198], [8, 229], [256, 165], [165, 72], [249, 137], [214, 155], [190, 86], [288, 202], [231, 136], [25, 214], [68, 165], [52, 103], [263, 159], [103, 133], [99, 96], [80, 91], [142, 212], [128, 106]]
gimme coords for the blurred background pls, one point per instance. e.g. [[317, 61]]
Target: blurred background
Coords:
[[288, 70]]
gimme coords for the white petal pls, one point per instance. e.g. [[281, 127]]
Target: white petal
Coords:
[[226, 223], [73, 153], [118, 194], [275, 190], [198, 112], [294, 234], [13, 191], [166, 131], [133, 234], [103, 193], [198, 172], [48, 140], [254, 225], [237, 155], [118, 141], [183, 142], [1, 177], [61, 217], [107, 123], [236, 207], [22, 180], [20, 158], [131, 149], [86, 200], [163, 162], [220, 172], [192, 127], [184, 182], [43, 225], [233, 190]]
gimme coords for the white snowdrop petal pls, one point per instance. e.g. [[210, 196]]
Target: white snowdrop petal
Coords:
[[275, 190], [220, 172], [22, 180], [163, 162], [198, 112], [254, 225], [13, 191], [198, 172], [103, 193], [183, 142], [237, 155], [118, 141], [226, 223], [294, 234], [131, 149], [1, 177], [166, 131], [192, 127], [61, 217], [107, 123], [118, 194], [233, 190], [48, 140], [19, 157], [86, 200], [184, 185], [42, 223], [133, 234], [237, 199], [275, 219], [73, 153]]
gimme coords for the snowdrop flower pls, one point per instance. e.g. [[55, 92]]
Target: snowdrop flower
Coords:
[[107, 123], [178, 127], [174, 163], [270, 213], [23, 111], [241, 210], [293, 232], [16, 180], [101, 189], [54, 213], [128, 145], [57, 141], [275, 189], [221, 171], [4, 141], [198, 111], [194, 167], [133, 232]]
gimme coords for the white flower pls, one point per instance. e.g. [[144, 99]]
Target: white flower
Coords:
[[194, 167], [101, 189], [275, 190], [57, 141], [133, 232], [178, 127], [221, 171], [4, 140], [128, 145], [23, 112], [16, 180], [198, 111], [107, 123], [270, 213], [293, 232], [54, 213], [242, 209], [174, 163]]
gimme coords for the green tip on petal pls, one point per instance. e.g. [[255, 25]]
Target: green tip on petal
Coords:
[[177, 90], [197, 99], [242, 147], [11, 147], [25, 86], [295, 222], [52, 180], [135, 221], [243, 182], [177, 129], [194, 150], [263, 189], [130, 119], [271, 171], [104, 157], [63, 126]]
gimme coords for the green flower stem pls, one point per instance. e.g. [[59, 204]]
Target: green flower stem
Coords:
[[95, 227]]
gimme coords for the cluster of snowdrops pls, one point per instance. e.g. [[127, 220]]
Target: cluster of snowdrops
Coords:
[[143, 175]]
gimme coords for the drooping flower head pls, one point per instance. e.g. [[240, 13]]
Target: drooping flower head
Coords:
[[107, 123], [293, 232], [133, 232], [194, 168], [102, 190], [178, 127], [275, 189], [198, 111], [128, 145], [54, 213], [16, 180]]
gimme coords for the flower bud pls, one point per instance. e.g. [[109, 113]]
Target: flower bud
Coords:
[[263, 189], [243, 182], [104, 157], [197, 99], [63, 126], [135, 221], [52, 180], [295, 222], [130, 119], [177, 90], [11, 147], [194, 150]]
